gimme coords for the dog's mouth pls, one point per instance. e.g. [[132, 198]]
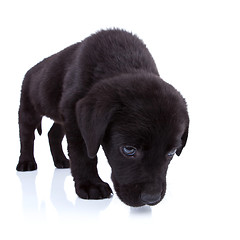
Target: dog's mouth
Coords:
[[134, 196]]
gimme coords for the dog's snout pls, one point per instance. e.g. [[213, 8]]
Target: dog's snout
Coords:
[[150, 199]]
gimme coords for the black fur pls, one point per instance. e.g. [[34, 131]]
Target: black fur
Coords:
[[105, 91]]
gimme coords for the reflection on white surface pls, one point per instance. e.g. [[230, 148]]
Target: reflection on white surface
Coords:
[[29, 194], [58, 197], [80, 208], [145, 210]]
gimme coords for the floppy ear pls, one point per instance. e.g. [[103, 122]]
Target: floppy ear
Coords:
[[93, 117], [184, 141]]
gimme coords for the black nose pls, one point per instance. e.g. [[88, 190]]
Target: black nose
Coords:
[[150, 199]]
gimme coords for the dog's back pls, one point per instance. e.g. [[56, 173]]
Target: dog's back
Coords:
[[114, 52], [71, 73]]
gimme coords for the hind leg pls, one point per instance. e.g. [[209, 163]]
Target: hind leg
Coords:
[[29, 120], [55, 136]]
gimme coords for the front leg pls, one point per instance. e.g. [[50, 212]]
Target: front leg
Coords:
[[88, 184]]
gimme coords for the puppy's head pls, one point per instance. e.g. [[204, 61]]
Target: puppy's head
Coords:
[[141, 122]]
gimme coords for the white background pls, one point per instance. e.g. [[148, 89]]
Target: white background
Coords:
[[196, 46]]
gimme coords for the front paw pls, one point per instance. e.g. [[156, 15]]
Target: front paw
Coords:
[[93, 189], [26, 166]]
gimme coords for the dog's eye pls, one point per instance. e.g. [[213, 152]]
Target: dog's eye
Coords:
[[171, 154], [129, 150]]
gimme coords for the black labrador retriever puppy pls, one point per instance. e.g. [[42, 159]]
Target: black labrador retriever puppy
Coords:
[[105, 90]]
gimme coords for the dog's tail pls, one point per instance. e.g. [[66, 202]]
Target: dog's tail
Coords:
[[39, 128]]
